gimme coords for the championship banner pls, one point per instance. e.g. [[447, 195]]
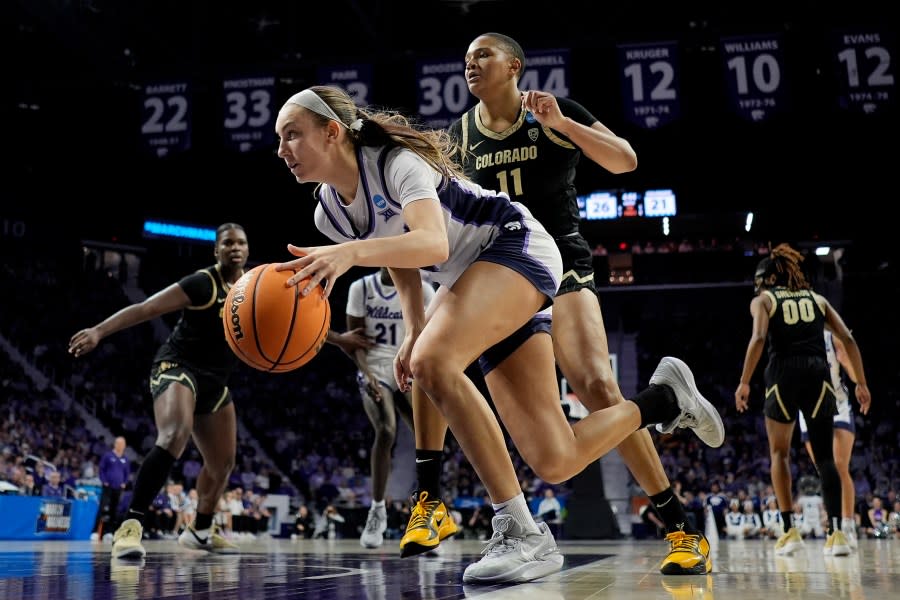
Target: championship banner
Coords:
[[650, 83], [442, 91], [356, 80], [249, 113], [166, 117], [864, 69], [548, 71], [754, 74]]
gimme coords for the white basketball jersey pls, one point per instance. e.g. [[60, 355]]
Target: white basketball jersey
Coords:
[[379, 304], [391, 178]]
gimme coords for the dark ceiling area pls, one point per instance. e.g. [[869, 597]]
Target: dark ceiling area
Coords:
[[813, 171]]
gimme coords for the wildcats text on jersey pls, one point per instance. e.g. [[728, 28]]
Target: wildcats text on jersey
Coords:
[[382, 312], [504, 157]]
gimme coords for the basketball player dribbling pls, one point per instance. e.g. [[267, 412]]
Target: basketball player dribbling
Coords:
[[498, 268]]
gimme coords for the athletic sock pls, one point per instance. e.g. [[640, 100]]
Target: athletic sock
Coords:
[[203, 521], [787, 520], [428, 472], [657, 404], [517, 508], [671, 511]]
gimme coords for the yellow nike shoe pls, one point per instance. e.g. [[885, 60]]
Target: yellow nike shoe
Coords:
[[423, 530], [688, 554], [443, 520]]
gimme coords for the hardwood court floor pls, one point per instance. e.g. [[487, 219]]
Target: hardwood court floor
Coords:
[[341, 569]]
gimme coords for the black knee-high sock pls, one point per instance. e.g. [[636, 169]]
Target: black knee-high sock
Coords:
[[831, 492], [428, 471], [657, 404], [150, 478], [671, 511]]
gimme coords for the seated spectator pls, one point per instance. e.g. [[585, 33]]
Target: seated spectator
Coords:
[[549, 510], [734, 520], [29, 488], [188, 510], [235, 501], [161, 515], [326, 523], [772, 527], [304, 525], [752, 523], [53, 488], [257, 514], [878, 516]]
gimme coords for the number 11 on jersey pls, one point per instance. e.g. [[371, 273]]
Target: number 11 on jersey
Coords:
[[503, 177]]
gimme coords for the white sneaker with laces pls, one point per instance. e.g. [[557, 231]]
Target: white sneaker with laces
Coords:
[[511, 556], [210, 541], [373, 533], [696, 411]]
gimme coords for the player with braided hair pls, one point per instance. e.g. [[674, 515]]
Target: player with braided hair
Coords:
[[797, 379]]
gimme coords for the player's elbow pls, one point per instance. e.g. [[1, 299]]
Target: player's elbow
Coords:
[[438, 249], [627, 163]]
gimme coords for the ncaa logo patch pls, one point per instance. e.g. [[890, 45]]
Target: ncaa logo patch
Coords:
[[530, 117], [379, 201]]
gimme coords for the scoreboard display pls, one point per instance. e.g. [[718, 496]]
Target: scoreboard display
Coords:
[[626, 204]]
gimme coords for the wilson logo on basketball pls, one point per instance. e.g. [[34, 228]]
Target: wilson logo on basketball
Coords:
[[238, 296]]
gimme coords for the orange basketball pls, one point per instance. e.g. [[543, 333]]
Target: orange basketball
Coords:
[[272, 327]]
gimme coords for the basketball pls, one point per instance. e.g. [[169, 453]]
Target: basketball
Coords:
[[271, 327]]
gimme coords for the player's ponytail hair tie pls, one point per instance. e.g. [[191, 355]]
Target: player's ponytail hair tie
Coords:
[[371, 132], [356, 125]]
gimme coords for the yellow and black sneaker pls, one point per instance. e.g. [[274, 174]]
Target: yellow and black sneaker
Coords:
[[688, 554], [446, 526], [429, 523]]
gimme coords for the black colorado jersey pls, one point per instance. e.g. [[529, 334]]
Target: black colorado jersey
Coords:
[[796, 324], [198, 339], [533, 164]]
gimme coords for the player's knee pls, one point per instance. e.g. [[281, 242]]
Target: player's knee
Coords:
[[779, 453], [219, 468], [174, 439], [552, 467], [601, 389], [429, 368], [385, 432]]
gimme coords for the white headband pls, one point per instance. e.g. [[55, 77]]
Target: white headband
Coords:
[[310, 100]]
